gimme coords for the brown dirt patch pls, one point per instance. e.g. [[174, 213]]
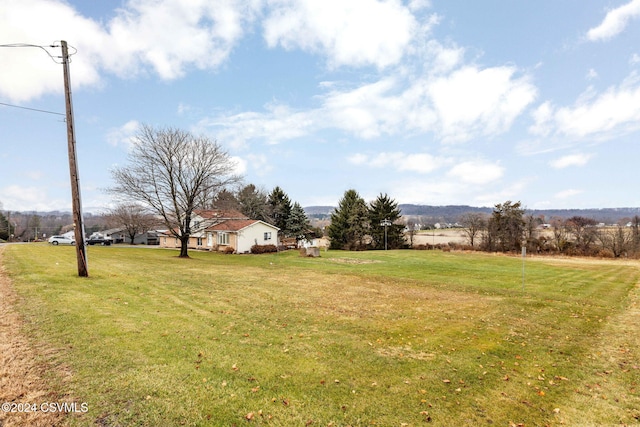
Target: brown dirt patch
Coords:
[[21, 373]]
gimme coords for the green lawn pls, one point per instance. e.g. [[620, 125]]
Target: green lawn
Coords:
[[352, 338]]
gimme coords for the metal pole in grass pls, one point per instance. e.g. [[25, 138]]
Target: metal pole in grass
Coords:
[[385, 223], [524, 256]]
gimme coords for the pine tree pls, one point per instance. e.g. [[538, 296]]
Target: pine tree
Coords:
[[279, 209], [381, 209], [349, 222], [298, 224], [253, 203], [4, 227]]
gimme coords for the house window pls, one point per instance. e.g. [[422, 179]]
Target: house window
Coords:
[[267, 235], [199, 241], [223, 238]]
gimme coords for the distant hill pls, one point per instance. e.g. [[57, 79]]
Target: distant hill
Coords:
[[452, 213]]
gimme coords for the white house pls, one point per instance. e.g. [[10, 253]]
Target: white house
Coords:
[[224, 230], [240, 235]]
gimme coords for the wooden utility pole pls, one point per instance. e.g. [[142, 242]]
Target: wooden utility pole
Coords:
[[81, 251]]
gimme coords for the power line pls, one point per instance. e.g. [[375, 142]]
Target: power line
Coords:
[[31, 109], [56, 59]]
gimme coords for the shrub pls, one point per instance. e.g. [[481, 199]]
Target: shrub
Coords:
[[228, 250], [263, 249]]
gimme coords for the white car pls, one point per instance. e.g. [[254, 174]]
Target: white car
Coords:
[[61, 240]]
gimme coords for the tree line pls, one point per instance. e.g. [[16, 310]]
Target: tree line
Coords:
[[508, 229]]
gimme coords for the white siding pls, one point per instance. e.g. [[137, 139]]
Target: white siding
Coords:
[[253, 234]]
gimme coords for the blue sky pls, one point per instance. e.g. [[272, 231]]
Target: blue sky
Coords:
[[433, 102]]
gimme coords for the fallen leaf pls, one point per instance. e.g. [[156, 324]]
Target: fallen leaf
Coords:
[[234, 367], [446, 381], [249, 416]]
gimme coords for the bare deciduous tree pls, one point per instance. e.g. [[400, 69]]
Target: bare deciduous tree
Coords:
[[473, 223], [135, 219], [617, 239], [584, 232], [169, 170], [560, 234]]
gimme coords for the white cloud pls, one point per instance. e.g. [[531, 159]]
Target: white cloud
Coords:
[[430, 192], [592, 74], [240, 165], [543, 117], [614, 110], [352, 33], [134, 41], [27, 73], [604, 115], [260, 164], [565, 194], [467, 103], [279, 123], [124, 135], [615, 21], [444, 59], [202, 35], [23, 198], [474, 101], [513, 192], [477, 172], [570, 160], [367, 111], [421, 163]]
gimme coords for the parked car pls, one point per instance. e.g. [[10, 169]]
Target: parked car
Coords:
[[104, 241], [61, 240]]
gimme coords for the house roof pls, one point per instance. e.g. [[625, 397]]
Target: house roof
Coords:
[[220, 214], [237, 225]]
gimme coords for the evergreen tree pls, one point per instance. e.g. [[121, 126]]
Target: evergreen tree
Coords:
[[298, 224], [279, 209], [253, 203], [4, 227], [349, 222], [381, 209], [226, 200], [505, 228]]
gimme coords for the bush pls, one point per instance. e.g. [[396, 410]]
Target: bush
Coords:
[[228, 250], [263, 249]]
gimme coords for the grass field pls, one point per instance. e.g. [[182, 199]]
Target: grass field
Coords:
[[368, 338]]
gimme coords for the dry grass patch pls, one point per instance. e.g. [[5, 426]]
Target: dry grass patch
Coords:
[[24, 367]]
